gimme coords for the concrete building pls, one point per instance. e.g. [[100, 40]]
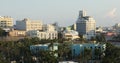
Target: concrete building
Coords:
[[43, 34], [71, 27], [86, 25], [70, 34], [36, 48], [6, 22], [48, 27], [48, 32], [57, 27], [28, 24], [17, 33], [77, 49], [99, 29]]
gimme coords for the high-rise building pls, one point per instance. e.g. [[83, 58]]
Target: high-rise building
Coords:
[[6, 22], [85, 25], [28, 24]]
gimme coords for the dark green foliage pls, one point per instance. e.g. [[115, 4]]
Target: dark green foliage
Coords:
[[19, 51], [112, 54], [64, 51], [2, 33], [117, 38], [100, 38]]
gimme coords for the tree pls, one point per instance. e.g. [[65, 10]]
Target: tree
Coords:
[[98, 53], [64, 51], [100, 38], [87, 54], [117, 38], [112, 54], [2, 33]]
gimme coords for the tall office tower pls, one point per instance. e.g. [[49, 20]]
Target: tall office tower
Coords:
[[85, 25], [28, 24], [6, 22]]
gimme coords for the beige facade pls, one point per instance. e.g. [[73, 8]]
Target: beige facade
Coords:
[[70, 34], [17, 33], [28, 24], [48, 27], [6, 22]]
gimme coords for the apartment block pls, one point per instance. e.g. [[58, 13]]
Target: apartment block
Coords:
[[6, 22], [27, 24]]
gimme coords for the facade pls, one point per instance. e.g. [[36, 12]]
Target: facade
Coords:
[[48, 27], [86, 25], [77, 49], [45, 47], [99, 29], [43, 34], [6, 22], [48, 32], [71, 27], [70, 34], [57, 28], [28, 24], [17, 33]]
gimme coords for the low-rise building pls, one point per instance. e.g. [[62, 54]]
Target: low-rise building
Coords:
[[17, 33], [99, 29], [43, 34], [70, 34], [44, 47], [78, 49]]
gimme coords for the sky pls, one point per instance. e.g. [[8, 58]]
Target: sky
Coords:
[[65, 12]]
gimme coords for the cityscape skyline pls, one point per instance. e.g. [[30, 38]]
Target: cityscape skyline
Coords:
[[105, 12]]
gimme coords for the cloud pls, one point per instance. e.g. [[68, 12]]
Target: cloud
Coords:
[[112, 13]]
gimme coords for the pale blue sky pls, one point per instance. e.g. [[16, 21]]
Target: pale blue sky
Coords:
[[65, 12]]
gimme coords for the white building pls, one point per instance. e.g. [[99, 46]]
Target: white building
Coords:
[[86, 25], [70, 34], [43, 34], [99, 29], [28, 24], [6, 22], [47, 32]]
